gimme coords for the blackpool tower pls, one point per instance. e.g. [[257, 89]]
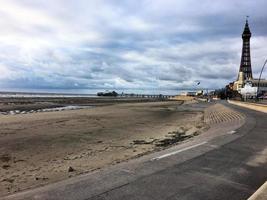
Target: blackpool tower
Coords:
[[245, 64]]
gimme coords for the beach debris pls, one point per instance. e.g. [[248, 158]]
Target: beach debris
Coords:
[[142, 142], [41, 178], [181, 129], [5, 158], [71, 169], [19, 160], [192, 131], [8, 180], [173, 138], [12, 112], [6, 166]]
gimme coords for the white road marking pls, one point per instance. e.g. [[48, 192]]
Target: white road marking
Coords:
[[179, 151], [232, 132]]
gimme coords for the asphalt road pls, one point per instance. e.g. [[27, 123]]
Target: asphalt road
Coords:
[[230, 166]]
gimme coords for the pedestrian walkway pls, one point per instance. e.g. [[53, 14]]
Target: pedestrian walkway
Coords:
[[219, 113], [253, 106]]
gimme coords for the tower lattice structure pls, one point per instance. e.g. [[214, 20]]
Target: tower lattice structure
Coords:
[[245, 64]]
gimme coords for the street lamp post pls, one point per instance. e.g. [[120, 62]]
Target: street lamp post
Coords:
[[257, 93]]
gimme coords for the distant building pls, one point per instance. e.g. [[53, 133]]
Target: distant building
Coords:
[[245, 84], [188, 93], [250, 87], [199, 92]]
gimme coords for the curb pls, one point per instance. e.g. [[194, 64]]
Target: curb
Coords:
[[252, 106], [260, 194]]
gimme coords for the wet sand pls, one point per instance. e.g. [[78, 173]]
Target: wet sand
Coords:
[[40, 148], [28, 104]]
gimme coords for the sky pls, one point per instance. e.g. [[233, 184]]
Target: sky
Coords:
[[147, 46]]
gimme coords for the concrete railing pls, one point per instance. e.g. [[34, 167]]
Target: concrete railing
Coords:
[[252, 106]]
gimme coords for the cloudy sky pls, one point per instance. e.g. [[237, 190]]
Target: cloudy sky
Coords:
[[130, 45]]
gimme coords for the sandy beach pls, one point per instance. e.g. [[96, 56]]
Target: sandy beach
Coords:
[[45, 147]]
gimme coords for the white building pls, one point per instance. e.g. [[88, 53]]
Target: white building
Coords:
[[248, 91], [250, 88]]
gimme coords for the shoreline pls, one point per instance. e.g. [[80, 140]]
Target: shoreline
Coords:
[[29, 103]]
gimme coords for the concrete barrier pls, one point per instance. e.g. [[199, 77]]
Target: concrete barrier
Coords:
[[260, 194], [253, 106]]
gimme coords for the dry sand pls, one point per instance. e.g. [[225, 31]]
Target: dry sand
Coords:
[[39, 148]]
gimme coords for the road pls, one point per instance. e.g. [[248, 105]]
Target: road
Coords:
[[232, 165]]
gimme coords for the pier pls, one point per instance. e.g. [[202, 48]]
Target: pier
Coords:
[[151, 96]]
